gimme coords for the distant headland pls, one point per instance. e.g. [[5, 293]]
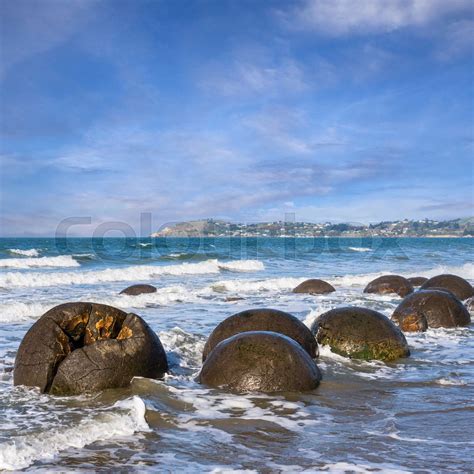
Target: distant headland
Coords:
[[404, 228]]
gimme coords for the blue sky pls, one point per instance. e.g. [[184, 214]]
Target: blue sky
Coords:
[[341, 110]]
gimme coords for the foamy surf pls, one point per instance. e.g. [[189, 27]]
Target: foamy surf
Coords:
[[360, 249], [252, 286], [131, 273], [25, 253], [23, 451], [17, 312], [22, 263]]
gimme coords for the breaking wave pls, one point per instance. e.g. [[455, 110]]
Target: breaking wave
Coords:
[[131, 273], [21, 263], [25, 253], [125, 418]]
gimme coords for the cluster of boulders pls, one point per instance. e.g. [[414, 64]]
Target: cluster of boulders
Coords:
[[438, 303], [87, 347]]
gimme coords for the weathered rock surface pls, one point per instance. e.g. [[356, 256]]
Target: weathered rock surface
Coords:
[[314, 287], [460, 287], [430, 309], [260, 361], [263, 320], [360, 333], [417, 281], [390, 284], [135, 290], [86, 347]]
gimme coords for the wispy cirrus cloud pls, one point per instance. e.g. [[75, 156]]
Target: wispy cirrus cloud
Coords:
[[345, 17]]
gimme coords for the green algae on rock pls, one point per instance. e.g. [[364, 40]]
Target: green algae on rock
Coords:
[[360, 333]]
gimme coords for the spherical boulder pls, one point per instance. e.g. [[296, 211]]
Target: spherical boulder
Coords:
[[360, 333], [390, 284], [86, 347], [417, 281], [262, 320], [135, 290], [430, 309], [455, 284], [260, 361], [314, 287]]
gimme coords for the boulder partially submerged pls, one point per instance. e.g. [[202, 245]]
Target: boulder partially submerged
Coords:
[[260, 361], [460, 287], [360, 333], [140, 289], [86, 347], [417, 281], [262, 320], [314, 287], [430, 309], [390, 284]]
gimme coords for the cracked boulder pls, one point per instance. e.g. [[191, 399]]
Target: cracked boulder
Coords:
[[263, 320], [430, 309], [314, 287], [360, 333], [390, 284], [87, 347], [460, 287], [260, 361]]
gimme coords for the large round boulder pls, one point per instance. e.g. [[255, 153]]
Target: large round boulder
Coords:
[[455, 284], [86, 347], [260, 361], [262, 320], [390, 284], [360, 333], [417, 281], [314, 287], [135, 290], [430, 309]]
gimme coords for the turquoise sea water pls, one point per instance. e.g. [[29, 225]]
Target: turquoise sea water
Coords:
[[410, 416]]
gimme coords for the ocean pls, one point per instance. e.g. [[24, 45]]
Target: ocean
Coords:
[[412, 415]]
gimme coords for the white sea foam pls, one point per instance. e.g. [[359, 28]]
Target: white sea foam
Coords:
[[252, 286], [124, 419], [464, 271], [19, 311], [131, 273], [344, 467], [59, 261], [289, 415], [450, 381], [242, 265], [25, 253], [360, 249]]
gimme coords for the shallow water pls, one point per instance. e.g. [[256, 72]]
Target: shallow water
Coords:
[[414, 415]]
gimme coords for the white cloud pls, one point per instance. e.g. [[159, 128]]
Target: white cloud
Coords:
[[247, 76], [343, 17]]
